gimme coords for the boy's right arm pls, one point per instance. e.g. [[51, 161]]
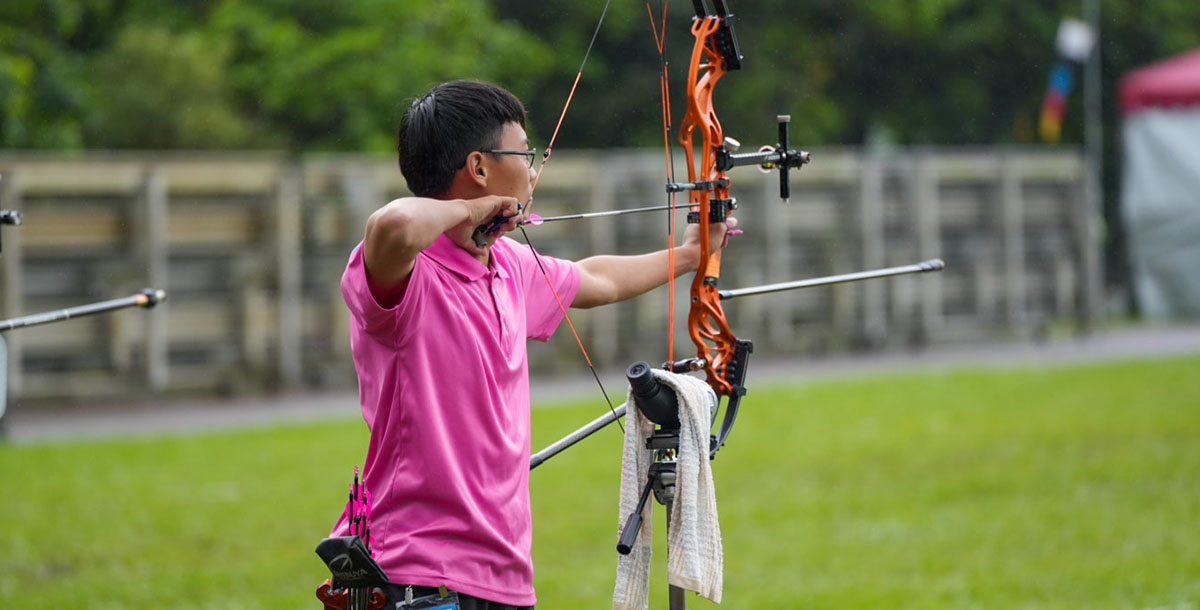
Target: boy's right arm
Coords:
[[400, 230]]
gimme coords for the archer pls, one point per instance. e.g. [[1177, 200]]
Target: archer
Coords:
[[442, 304]]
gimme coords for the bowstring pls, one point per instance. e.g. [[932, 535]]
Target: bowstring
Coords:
[[570, 95], [660, 39], [537, 178]]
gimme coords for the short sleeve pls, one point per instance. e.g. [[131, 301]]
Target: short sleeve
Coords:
[[365, 310], [547, 295]]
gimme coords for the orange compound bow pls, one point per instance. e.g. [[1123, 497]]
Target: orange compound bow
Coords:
[[709, 197], [722, 355]]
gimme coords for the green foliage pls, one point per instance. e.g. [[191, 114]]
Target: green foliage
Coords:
[[309, 74], [1026, 488], [156, 89], [338, 76], [238, 73], [40, 75]]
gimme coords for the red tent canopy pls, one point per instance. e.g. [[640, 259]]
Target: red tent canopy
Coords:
[[1172, 82]]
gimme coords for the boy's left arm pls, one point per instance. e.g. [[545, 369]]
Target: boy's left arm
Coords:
[[608, 279]]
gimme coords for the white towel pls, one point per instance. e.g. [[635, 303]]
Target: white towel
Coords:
[[632, 591], [694, 553]]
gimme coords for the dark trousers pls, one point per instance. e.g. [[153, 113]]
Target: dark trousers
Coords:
[[395, 595]]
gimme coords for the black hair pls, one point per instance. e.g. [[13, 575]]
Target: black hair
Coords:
[[450, 122]]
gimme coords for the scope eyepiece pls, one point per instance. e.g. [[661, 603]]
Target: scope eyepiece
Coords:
[[658, 403]]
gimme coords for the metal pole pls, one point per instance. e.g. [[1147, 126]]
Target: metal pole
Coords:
[[676, 596], [576, 436], [1092, 284], [933, 264], [147, 298]]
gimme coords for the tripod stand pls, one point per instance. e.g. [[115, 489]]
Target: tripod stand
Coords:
[[659, 403], [661, 480]]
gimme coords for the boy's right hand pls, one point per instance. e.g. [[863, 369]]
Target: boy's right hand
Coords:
[[500, 215], [484, 209]]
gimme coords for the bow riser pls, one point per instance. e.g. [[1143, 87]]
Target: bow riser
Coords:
[[707, 325]]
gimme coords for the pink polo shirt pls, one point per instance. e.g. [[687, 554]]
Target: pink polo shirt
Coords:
[[444, 385]]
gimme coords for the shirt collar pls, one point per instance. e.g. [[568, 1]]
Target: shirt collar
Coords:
[[448, 254]]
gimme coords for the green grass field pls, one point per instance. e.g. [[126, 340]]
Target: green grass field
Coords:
[[1067, 488]]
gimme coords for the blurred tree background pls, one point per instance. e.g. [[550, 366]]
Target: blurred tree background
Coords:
[[306, 75], [312, 75]]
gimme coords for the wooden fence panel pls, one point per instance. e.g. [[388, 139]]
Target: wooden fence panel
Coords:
[[251, 247]]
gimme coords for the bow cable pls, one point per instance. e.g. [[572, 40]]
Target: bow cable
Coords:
[[536, 179], [570, 95], [660, 39]]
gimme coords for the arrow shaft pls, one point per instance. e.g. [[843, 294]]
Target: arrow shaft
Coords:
[[576, 436], [933, 264], [653, 208], [148, 298]]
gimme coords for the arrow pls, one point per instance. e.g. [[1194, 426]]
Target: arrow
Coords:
[[145, 299], [535, 220], [933, 264]]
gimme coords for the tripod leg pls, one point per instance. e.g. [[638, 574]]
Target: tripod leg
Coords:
[[633, 524], [677, 599]]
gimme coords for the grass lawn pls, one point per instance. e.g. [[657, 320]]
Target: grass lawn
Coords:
[[1061, 488]]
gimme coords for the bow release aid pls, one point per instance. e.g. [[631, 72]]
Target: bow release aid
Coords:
[[490, 227]]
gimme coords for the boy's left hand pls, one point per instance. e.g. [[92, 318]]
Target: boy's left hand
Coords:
[[718, 234]]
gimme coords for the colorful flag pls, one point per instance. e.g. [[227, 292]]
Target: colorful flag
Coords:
[[1055, 104], [1074, 42]]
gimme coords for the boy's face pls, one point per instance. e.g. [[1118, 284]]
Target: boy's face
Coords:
[[513, 175]]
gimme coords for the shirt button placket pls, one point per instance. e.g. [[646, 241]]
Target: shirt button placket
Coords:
[[500, 301]]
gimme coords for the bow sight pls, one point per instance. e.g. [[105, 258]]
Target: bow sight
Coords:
[[778, 157], [767, 158]]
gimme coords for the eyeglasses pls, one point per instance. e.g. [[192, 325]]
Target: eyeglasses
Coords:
[[530, 154]]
